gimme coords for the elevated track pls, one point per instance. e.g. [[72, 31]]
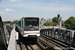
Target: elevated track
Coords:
[[50, 39]]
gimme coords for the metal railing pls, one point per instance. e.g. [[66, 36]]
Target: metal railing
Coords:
[[63, 35], [12, 41]]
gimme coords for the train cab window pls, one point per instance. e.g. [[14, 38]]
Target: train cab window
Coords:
[[31, 21]]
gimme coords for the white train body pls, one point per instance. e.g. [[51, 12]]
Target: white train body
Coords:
[[29, 26]]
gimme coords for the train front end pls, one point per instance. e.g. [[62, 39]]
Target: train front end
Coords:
[[31, 28]]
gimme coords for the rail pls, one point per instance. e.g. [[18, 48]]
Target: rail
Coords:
[[47, 44]]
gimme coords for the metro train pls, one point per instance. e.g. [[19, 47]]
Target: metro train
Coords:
[[29, 27]]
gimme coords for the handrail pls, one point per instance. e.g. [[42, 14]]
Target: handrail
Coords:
[[63, 35], [12, 41]]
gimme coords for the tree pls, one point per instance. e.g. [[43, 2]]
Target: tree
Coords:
[[63, 24], [14, 22], [55, 21], [40, 23], [48, 23], [70, 23]]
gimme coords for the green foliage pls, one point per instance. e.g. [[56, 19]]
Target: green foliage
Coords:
[[54, 24], [55, 21], [48, 23], [63, 24], [13, 22], [70, 23], [40, 23]]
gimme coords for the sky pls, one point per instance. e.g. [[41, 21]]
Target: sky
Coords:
[[16, 9]]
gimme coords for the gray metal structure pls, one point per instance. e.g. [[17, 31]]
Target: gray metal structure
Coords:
[[60, 18], [63, 36], [3, 43]]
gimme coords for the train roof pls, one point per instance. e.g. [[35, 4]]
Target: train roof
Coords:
[[29, 17]]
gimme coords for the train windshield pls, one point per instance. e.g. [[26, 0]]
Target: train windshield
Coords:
[[31, 21]]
